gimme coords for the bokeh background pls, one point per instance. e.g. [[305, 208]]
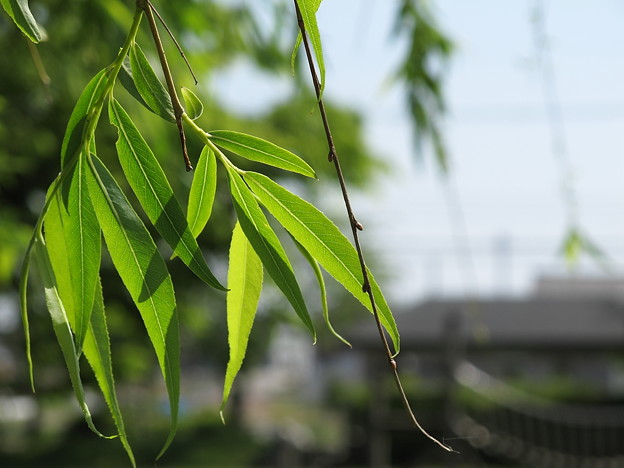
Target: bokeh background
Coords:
[[503, 264]]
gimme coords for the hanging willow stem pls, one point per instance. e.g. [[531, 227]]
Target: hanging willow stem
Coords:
[[355, 227], [178, 110]]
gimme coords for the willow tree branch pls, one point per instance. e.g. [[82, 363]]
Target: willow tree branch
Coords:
[[178, 110], [355, 227]]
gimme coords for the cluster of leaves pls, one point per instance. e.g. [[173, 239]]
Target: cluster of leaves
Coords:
[[86, 203]]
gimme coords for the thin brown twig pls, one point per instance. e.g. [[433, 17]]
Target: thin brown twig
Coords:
[[355, 227], [178, 110], [177, 44]]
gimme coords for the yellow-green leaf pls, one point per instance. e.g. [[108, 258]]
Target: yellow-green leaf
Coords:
[[245, 285], [268, 247], [324, 241], [202, 193], [194, 107], [257, 149]]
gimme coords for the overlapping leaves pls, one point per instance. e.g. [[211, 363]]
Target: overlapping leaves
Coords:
[[86, 203]]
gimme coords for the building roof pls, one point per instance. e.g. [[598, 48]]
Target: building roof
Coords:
[[546, 323]]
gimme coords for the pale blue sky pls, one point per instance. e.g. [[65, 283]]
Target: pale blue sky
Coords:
[[503, 168]]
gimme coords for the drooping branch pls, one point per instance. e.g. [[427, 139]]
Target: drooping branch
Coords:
[[355, 228]]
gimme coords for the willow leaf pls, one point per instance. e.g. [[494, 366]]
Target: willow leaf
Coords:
[[96, 346], [145, 275], [324, 241], [194, 107], [23, 294], [149, 183], [20, 13], [149, 86], [97, 351], [61, 327], [245, 284], [266, 244], [321, 282], [257, 149], [202, 193], [83, 239], [317, 4], [72, 139], [308, 10]]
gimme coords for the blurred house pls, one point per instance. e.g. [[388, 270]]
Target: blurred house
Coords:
[[537, 381]]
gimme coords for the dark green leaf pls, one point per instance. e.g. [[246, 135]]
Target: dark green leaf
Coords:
[[61, 327], [324, 241], [149, 86], [20, 13], [72, 141], [245, 284], [257, 149], [149, 183], [96, 346], [81, 231], [267, 245], [202, 193], [144, 273], [194, 107], [127, 81]]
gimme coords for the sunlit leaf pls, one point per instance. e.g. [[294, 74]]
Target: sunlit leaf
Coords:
[[20, 13], [61, 327], [194, 107], [308, 10], [202, 193], [257, 149], [149, 86], [321, 282], [317, 4], [145, 275], [73, 134], [96, 346], [245, 284], [324, 241], [266, 244], [149, 183]]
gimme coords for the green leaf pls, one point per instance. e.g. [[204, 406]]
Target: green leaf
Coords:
[[149, 183], [81, 231], [20, 13], [257, 149], [245, 283], [97, 351], [61, 327], [72, 140], [319, 277], [96, 346], [145, 275], [202, 193], [23, 293], [317, 4], [267, 246], [149, 86], [324, 241], [194, 107], [127, 81], [308, 10]]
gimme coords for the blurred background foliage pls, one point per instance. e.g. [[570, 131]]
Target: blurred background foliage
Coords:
[[38, 89]]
